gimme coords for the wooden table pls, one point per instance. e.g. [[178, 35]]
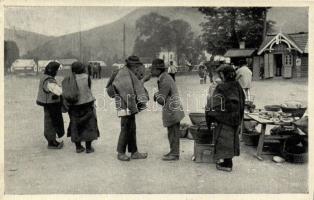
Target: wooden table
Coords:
[[263, 137]]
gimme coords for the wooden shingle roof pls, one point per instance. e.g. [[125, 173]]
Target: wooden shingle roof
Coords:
[[297, 40], [234, 53]]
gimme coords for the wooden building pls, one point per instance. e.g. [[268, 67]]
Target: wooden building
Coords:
[[282, 55]]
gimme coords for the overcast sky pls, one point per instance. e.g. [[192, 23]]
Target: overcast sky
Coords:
[[56, 21]]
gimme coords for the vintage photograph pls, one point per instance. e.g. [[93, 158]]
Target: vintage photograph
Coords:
[[156, 100]]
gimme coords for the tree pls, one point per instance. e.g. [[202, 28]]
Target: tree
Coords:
[[11, 53], [150, 40], [225, 27], [156, 32], [182, 37]]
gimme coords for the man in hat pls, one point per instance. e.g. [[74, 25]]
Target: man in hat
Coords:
[[172, 112], [49, 96], [131, 98], [244, 77]]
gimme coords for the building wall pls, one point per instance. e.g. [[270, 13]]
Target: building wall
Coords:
[[304, 65], [168, 56], [258, 61], [267, 60]]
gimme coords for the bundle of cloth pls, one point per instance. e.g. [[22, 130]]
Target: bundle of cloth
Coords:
[[132, 96]]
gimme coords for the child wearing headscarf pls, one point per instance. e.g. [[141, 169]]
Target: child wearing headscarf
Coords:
[[83, 121], [49, 96]]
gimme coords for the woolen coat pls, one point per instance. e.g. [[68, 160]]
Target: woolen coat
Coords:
[[226, 108], [168, 97]]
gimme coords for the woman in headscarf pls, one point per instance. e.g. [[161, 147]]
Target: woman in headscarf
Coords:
[[49, 96], [83, 122], [226, 109]]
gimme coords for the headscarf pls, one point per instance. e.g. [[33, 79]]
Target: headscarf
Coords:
[[228, 72], [78, 68], [52, 68]]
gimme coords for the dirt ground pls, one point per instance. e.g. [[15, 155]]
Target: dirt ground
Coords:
[[30, 168]]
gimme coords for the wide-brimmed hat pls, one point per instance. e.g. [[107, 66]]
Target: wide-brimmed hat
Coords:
[[133, 60], [158, 64]]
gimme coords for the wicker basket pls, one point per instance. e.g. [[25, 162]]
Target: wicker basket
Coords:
[[294, 157]]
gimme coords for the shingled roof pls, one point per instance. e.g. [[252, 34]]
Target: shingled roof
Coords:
[[301, 39], [297, 40], [234, 53]]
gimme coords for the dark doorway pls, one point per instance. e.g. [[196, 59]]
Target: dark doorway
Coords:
[[278, 60]]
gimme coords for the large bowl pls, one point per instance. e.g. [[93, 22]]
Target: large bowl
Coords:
[[197, 118], [273, 108], [295, 112]]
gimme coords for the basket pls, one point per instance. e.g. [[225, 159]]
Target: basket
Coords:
[[300, 154], [295, 112], [197, 118], [250, 138]]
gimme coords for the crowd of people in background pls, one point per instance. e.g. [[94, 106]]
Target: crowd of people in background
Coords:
[[94, 70]]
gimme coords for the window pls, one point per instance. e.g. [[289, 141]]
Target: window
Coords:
[[288, 60], [163, 57], [170, 56]]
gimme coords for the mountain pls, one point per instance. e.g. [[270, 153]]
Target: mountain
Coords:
[[26, 41], [107, 40]]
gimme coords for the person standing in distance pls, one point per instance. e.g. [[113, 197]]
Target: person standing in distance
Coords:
[[172, 70], [244, 77]]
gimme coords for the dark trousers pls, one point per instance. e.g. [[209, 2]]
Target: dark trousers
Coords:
[[173, 76], [127, 135], [53, 122], [174, 139]]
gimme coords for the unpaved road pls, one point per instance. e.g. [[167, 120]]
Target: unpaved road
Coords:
[[30, 168]]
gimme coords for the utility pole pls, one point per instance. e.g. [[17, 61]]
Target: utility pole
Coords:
[[80, 35], [123, 41]]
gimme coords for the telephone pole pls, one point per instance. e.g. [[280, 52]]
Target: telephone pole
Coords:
[[123, 41], [80, 35]]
